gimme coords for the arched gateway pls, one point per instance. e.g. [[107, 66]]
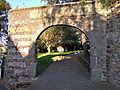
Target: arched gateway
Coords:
[[98, 24]]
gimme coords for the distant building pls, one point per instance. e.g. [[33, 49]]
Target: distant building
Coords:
[[60, 49]]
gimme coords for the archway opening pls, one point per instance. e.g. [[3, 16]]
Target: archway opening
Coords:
[[58, 42]]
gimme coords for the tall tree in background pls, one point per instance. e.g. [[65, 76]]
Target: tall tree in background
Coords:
[[59, 1], [70, 37], [105, 3], [51, 1], [4, 7], [59, 35], [49, 38]]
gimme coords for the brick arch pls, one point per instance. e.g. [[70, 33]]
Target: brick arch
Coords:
[[26, 24], [63, 25], [83, 35]]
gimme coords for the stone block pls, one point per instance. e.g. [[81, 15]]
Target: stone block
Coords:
[[97, 75]]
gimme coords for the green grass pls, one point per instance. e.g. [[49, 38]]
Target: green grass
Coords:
[[45, 59]]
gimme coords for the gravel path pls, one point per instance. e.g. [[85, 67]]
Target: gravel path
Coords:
[[67, 74]]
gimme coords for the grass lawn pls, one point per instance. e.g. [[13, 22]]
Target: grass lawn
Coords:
[[45, 59]]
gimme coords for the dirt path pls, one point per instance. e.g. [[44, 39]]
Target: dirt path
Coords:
[[67, 74]]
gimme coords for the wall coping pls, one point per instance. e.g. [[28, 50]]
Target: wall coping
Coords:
[[46, 6]]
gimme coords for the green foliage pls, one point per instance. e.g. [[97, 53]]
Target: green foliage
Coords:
[[59, 35], [51, 1], [82, 0], [69, 35], [57, 1], [43, 63], [107, 3], [4, 7], [49, 38]]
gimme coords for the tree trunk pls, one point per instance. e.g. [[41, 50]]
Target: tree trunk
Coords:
[[49, 48]]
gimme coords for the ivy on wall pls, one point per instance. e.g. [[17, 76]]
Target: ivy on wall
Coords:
[[107, 3]]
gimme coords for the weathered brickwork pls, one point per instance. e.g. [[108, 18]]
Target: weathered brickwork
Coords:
[[113, 49], [101, 26], [111, 18]]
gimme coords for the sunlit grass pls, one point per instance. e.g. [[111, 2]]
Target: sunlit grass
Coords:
[[45, 59], [39, 55], [55, 58]]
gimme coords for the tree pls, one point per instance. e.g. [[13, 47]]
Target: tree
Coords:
[[59, 35], [105, 3], [51, 1], [70, 37], [59, 1], [4, 7], [49, 38]]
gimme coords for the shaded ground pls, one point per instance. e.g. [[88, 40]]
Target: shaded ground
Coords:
[[67, 74], [2, 85]]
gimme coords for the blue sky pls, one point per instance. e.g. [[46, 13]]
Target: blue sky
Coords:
[[25, 3]]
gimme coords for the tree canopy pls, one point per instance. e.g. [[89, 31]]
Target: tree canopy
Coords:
[[4, 7], [59, 1], [105, 3], [49, 38], [59, 35]]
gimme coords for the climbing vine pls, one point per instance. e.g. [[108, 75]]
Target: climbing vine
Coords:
[[107, 3]]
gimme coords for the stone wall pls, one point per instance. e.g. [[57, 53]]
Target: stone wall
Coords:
[[113, 49], [26, 24], [111, 20]]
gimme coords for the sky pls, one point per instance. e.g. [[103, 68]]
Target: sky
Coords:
[[25, 3]]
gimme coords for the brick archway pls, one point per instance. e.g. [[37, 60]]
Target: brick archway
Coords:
[[84, 40], [63, 25], [27, 23]]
